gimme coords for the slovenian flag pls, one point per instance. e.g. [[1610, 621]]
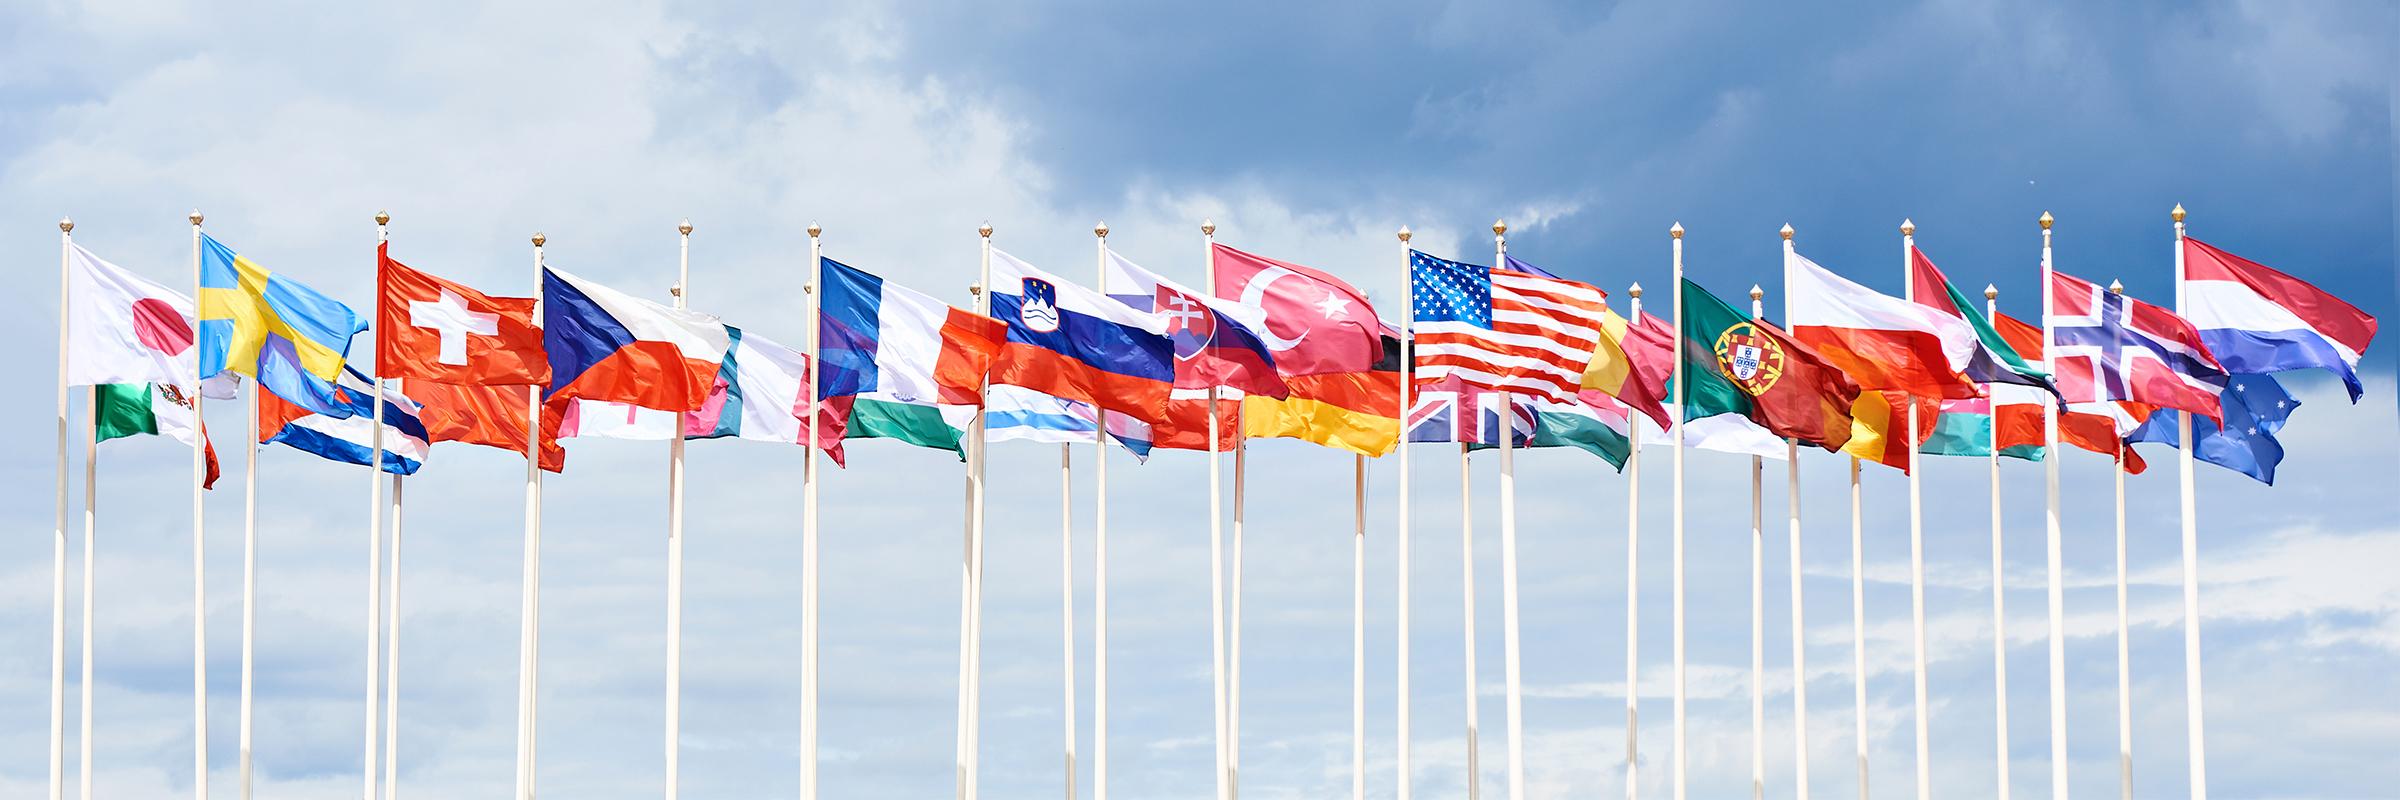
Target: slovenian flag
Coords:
[[611, 346], [1073, 343], [349, 438], [2257, 320]]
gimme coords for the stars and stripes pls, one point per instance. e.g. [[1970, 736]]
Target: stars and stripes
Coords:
[[1501, 330]]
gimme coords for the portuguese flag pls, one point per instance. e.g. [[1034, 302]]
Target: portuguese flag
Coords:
[[1740, 365]]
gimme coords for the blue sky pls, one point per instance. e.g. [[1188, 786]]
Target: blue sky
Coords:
[[1309, 132]]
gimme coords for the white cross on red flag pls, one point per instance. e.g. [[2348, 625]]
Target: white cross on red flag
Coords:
[[438, 330]]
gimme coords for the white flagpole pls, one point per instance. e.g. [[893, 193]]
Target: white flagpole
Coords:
[[1508, 569], [1066, 581], [199, 537], [1633, 589], [391, 680], [529, 605], [1916, 551], [975, 487], [2124, 655], [1758, 591], [966, 617], [1683, 748], [1991, 309], [1791, 493], [1858, 628], [250, 586], [1400, 496], [1100, 566], [1466, 538], [1241, 451], [810, 590], [2198, 741], [91, 530], [1358, 629], [1216, 585], [374, 563], [674, 690], [2058, 624], [58, 548]]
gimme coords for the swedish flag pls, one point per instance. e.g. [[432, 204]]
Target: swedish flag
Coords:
[[290, 338]]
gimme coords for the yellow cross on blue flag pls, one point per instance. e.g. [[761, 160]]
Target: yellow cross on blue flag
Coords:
[[290, 338]]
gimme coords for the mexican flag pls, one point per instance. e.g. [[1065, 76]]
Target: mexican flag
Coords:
[[1736, 364], [126, 409], [133, 340]]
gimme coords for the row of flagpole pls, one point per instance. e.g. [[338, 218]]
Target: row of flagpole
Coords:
[[382, 664]]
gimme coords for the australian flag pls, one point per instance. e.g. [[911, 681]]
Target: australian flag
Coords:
[[2105, 346], [2255, 408]]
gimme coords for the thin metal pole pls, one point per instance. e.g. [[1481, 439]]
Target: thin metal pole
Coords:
[[2058, 623], [975, 485], [1466, 538], [1100, 564], [1401, 540], [250, 481], [810, 586], [2197, 738], [1633, 590], [1916, 556], [1358, 628], [1758, 607], [1991, 308], [58, 542], [673, 781], [1791, 492], [374, 570], [91, 532], [529, 604], [2124, 656], [199, 541], [1066, 585], [1508, 570], [1683, 747], [1858, 628], [391, 678], [1233, 666]]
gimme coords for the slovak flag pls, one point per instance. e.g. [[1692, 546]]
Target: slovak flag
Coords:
[[2106, 346], [2258, 320], [438, 330], [1074, 343], [1316, 324], [607, 345], [1216, 340]]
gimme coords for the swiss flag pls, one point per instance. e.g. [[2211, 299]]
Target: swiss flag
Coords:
[[436, 330], [493, 416], [1316, 323]]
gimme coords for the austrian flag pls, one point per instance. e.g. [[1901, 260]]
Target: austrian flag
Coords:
[[437, 330]]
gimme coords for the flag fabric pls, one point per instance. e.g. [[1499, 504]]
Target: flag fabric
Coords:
[[2107, 346], [287, 336], [1996, 360], [1881, 342], [2255, 408], [492, 416], [1216, 340], [1074, 343], [2097, 427], [1501, 330], [1014, 413], [1469, 416], [1316, 324], [349, 439], [760, 393], [876, 415], [431, 329], [1879, 430], [1723, 433], [1185, 425], [1968, 427], [1632, 362], [128, 409], [2258, 320], [1595, 423], [883, 339], [1346, 411], [607, 345], [1740, 365]]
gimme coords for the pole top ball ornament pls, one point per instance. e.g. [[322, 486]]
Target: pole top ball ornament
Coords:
[[195, 217], [815, 230], [2177, 213], [2116, 287], [1100, 230], [1208, 227], [1676, 231], [2045, 220], [984, 230], [1756, 293], [1499, 227], [1404, 234], [1634, 290], [1908, 227], [539, 239], [1991, 292], [383, 218], [1787, 231], [684, 227], [66, 225]]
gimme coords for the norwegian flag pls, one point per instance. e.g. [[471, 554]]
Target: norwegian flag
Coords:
[[2106, 347], [1436, 418]]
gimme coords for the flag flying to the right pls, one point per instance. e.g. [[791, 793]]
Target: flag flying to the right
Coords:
[[1995, 359], [2258, 320], [431, 329], [610, 346], [133, 340], [1879, 420], [2107, 346], [2255, 408], [2097, 427], [1501, 330], [492, 416], [1879, 341], [1316, 324], [350, 438], [290, 338], [1632, 361], [1740, 365], [1073, 343], [1595, 423], [1344, 410]]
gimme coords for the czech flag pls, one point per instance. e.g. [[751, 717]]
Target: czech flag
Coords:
[[610, 346], [1073, 343], [2257, 320]]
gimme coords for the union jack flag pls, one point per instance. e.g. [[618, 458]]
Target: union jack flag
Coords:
[[1501, 330], [1436, 417], [2108, 347]]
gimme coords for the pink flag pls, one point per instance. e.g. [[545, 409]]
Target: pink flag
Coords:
[[1316, 324]]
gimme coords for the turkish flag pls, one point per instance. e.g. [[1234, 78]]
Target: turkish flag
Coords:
[[1316, 323], [436, 330], [493, 416]]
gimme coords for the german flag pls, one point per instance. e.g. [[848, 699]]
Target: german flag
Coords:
[[1354, 411]]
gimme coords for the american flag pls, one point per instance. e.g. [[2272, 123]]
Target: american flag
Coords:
[[1502, 330], [2105, 346]]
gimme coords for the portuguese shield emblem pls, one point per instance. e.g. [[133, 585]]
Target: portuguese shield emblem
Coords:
[[1753, 359]]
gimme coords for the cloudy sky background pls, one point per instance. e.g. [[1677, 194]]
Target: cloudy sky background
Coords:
[[1306, 132]]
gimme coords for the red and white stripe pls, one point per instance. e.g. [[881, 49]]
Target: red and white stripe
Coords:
[[1543, 333]]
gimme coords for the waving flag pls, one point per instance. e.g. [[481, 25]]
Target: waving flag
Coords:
[[760, 393], [1316, 324], [2106, 346], [1723, 433], [350, 438], [1740, 365], [1014, 413], [129, 409], [2255, 408], [1346, 410], [442, 331], [289, 337], [1632, 363], [1216, 340], [1968, 428], [2017, 410], [610, 346], [1595, 423], [1471, 416], [1073, 343], [1881, 342], [1879, 426], [1995, 360], [492, 416], [2257, 320], [900, 344], [1501, 330]]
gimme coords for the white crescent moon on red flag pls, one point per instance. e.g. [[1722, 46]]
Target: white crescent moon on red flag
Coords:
[[1254, 291]]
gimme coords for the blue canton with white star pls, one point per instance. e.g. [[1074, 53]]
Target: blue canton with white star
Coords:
[[1441, 290]]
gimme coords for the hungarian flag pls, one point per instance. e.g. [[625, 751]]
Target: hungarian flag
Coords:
[[1995, 359], [492, 416], [1354, 411], [1316, 324], [1880, 341], [437, 330], [1632, 363], [1739, 365]]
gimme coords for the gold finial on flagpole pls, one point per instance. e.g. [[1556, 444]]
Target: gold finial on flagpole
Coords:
[[985, 230], [1908, 227], [2116, 287], [975, 288], [2045, 220], [539, 239], [1757, 293], [1676, 232], [2177, 213], [195, 217], [383, 218], [1991, 292], [1100, 230], [1634, 291], [1404, 234], [1208, 227], [66, 225], [685, 227], [1787, 231], [1499, 227], [815, 230]]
